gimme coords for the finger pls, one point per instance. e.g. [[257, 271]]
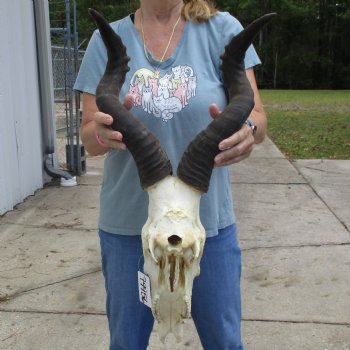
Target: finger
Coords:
[[238, 137], [108, 134], [103, 118], [229, 156], [128, 101], [113, 139], [234, 160], [113, 135], [117, 145], [214, 110]]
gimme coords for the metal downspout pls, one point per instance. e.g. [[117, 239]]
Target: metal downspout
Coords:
[[42, 25]]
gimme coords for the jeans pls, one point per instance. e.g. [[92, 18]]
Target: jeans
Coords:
[[216, 301]]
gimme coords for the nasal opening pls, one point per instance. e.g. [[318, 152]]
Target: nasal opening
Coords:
[[174, 240]]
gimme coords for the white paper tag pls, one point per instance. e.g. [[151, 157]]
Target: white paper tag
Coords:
[[144, 289]]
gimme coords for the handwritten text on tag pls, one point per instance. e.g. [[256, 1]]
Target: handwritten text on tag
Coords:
[[144, 289]]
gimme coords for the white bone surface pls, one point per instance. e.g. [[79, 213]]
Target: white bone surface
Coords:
[[173, 212]]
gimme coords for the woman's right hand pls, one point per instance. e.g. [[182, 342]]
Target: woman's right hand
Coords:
[[108, 136]]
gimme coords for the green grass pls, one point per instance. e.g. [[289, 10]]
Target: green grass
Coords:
[[307, 124]]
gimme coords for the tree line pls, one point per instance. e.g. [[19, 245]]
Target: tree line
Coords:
[[305, 47]]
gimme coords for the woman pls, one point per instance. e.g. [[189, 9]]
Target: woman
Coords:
[[175, 49]]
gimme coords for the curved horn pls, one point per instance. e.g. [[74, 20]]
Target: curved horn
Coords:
[[197, 162], [151, 160]]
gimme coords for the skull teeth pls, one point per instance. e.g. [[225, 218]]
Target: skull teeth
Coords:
[[151, 250], [172, 271], [197, 250], [155, 309]]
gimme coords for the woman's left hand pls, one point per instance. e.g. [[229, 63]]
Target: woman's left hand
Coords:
[[236, 147]]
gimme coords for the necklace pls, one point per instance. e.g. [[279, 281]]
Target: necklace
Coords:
[[156, 69]]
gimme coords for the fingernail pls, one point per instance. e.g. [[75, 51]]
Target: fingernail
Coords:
[[222, 146], [218, 159]]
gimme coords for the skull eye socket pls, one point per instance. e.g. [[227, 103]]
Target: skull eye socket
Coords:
[[174, 240]]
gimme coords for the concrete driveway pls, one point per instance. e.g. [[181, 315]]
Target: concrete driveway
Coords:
[[293, 220]]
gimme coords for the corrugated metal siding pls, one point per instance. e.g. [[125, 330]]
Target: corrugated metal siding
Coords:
[[20, 128]]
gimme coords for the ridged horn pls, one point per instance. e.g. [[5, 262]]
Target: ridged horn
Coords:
[[151, 160], [196, 166]]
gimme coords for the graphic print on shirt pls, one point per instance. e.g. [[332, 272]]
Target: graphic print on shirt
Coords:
[[163, 96]]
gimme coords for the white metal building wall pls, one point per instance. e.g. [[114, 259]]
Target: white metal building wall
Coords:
[[20, 123]]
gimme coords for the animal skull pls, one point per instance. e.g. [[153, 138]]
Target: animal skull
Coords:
[[173, 236], [173, 239]]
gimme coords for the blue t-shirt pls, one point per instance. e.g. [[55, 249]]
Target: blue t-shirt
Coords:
[[174, 106]]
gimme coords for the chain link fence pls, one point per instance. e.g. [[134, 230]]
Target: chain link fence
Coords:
[[66, 59], [61, 88]]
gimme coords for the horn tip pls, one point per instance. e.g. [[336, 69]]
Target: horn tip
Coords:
[[93, 13], [270, 16]]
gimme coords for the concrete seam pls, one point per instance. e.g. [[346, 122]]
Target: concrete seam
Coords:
[[55, 227], [318, 196], [19, 293], [297, 322], [299, 246], [54, 312], [270, 183]]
